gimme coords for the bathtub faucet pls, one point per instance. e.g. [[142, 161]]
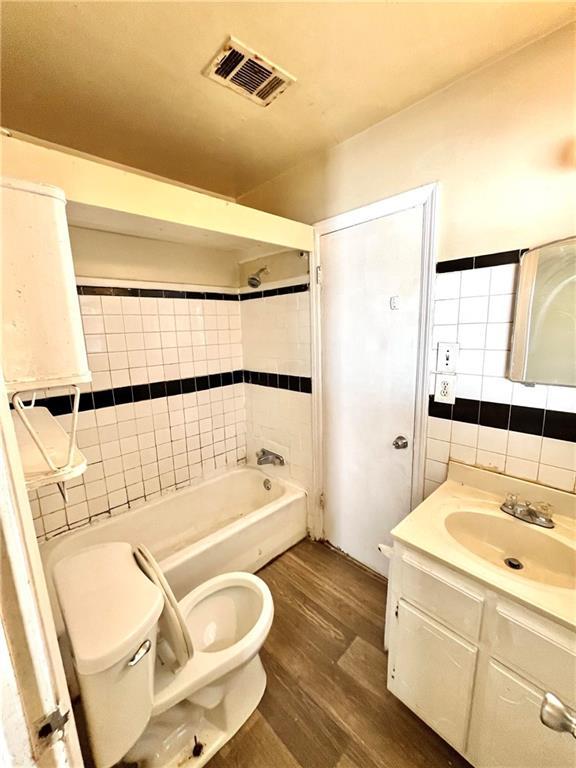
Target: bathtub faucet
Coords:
[[264, 456]]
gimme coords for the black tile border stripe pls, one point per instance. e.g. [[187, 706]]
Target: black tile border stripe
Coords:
[[106, 398], [560, 425], [102, 290], [478, 262]]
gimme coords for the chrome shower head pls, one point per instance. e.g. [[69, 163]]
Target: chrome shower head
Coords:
[[255, 281]]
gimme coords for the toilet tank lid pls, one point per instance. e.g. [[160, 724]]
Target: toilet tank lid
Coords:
[[107, 603]]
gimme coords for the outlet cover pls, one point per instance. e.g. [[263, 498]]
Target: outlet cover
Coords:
[[445, 390]]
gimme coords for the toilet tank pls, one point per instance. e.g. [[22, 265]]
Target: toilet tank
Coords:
[[110, 610]]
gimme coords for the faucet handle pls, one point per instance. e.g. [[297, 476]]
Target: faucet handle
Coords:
[[511, 500], [543, 509]]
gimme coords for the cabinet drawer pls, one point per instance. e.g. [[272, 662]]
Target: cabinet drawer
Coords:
[[540, 649], [442, 593]]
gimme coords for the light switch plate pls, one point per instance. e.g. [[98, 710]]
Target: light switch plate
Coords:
[[447, 356], [445, 390]]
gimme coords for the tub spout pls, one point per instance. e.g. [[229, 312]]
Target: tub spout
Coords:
[[264, 456]]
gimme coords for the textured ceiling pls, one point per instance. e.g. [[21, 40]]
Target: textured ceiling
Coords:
[[122, 80]]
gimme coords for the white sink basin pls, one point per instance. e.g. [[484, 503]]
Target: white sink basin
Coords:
[[543, 558]]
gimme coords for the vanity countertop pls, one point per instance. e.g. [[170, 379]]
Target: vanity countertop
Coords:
[[461, 525]]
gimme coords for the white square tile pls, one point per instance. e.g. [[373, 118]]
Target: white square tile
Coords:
[[501, 309], [475, 282], [90, 305], [472, 336], [468, 386], [446, 311], [489, 460], [470, 361], [529, 396], [558, 453], [116, 342], [495, 362], [527, 470], [492, 440], [95, 342], [498, 335], [429, 487], [446, 285], [111, 305], [473, 309], [98, 362], [130, 305], [503, 279], [435, 470], [464, 434], [133, 324], [463, 453], [118, 360], [93, 323], [557, 478], [439, 450], [523, 446], [561, 399], [114, 323], [496, 390]]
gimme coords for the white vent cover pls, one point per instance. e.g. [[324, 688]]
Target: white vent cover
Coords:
[[246, 72]]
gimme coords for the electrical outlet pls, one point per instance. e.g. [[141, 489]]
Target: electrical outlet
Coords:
[[447, 356], [445, 389]]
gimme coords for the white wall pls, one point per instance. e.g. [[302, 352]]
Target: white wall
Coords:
[[123, 257], [500, 143]]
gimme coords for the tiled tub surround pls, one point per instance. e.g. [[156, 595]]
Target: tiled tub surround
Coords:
[[276, 338], [167, 402], [524, 431]]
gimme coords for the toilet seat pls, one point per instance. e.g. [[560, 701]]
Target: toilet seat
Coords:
[[172, 623]]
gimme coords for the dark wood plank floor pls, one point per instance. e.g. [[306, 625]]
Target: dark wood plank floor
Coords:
[[326, 704]]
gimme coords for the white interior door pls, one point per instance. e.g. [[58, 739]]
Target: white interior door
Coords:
[[371, 299]]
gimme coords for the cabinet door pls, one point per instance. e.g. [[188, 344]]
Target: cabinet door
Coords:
[[508, 733], [432, 672]]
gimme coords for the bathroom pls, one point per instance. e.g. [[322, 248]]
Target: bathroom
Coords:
[[288, 475]]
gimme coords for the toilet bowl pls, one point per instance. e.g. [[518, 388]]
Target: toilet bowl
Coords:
[[158, 675]]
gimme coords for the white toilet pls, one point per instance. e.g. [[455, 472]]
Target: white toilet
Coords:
[[161, 681]]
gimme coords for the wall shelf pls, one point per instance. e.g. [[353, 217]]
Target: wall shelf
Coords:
[[56, 443]]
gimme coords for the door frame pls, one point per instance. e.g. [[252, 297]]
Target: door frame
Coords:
[[425, 197], [39, 690]]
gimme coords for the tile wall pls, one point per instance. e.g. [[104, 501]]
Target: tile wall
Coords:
[[167, 404], [276, 338], [524, 431]]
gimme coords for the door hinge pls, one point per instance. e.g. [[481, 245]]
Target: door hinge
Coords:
[[396, 611], [318, 275], [52, 726], [322, 500]]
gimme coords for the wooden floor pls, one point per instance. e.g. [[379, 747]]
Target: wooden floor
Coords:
[[326, 704]]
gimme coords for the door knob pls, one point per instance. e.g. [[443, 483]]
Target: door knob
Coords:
[[400, 442]]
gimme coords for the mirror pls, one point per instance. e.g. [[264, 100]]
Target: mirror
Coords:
[[544, 337]]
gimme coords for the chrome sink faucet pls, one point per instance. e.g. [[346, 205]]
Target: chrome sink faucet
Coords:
[[536, 514], [264, 456]]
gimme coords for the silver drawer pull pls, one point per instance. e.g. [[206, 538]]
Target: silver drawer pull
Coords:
[[140, 653], [556, 715]]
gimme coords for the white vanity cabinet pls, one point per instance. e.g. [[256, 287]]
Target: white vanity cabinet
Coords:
[[475, 666]]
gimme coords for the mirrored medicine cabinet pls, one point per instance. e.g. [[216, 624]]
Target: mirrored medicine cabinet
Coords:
[[544, 335]]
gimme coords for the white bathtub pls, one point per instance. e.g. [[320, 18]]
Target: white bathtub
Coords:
[[229, 523]]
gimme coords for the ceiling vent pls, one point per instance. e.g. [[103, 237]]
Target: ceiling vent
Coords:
[[243, 70]]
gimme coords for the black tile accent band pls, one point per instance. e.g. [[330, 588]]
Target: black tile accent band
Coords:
[[101, 290], [478, 262], [560, 425], [105, 398]]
